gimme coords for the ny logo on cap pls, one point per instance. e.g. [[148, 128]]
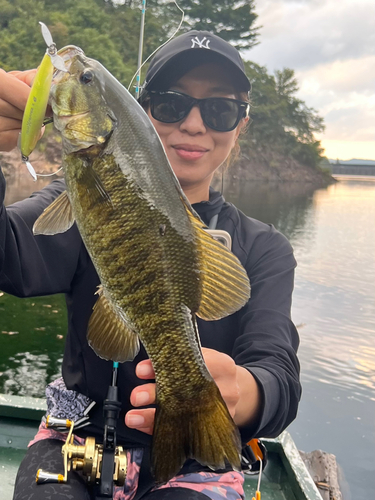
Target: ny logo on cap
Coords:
[[195, 42]]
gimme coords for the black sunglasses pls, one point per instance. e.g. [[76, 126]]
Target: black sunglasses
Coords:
[[219, 113]]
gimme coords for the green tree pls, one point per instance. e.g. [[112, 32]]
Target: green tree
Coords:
[[108, 31], [232, 21], [105, 30], [280, 120]]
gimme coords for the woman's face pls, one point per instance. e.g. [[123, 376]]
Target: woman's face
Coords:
[[194, 150]]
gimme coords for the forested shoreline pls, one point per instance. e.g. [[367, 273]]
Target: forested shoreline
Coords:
[[279, 143]]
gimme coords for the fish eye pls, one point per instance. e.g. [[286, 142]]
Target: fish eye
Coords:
[[86, 77]]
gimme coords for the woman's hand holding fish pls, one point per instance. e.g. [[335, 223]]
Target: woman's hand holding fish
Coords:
[[14, 91], [236, 384], [142, 395]]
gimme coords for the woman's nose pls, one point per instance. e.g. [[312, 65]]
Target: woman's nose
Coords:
[[193, 123]]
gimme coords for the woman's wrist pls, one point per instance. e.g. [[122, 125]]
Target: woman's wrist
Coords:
[[249, 404]]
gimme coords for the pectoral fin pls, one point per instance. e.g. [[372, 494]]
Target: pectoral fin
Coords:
[[108, 334], [56, 218], [95, 186], [225, 283]]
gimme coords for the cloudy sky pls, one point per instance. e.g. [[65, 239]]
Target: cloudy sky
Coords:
[[331, 46]]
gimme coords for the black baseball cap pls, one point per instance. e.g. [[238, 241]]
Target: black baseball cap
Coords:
[[189, 50]]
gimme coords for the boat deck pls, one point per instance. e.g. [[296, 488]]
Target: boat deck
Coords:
[[285, 477]]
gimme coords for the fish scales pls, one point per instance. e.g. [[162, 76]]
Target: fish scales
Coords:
[[157, 265], [136, 269]]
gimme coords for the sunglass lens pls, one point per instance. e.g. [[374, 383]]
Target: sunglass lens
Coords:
[[221, 114], [169, 107]]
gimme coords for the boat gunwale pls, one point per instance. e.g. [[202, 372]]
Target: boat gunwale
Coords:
[[303, 486]]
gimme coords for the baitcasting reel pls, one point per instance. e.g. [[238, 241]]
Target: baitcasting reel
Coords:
[[102, 465], [87, 458]]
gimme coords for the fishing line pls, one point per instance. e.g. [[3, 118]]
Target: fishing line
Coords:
[[138, 72]]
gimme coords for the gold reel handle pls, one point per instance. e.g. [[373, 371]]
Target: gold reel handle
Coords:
[[43, 477], [86, 458]]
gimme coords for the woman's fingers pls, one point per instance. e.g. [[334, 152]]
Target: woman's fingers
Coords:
[[144, 370], [10, 111], [13, 90], [142, 420], [9, 124], [9, 139], [143, 395]]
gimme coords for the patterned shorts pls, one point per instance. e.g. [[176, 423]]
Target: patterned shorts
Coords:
[[228, 485]]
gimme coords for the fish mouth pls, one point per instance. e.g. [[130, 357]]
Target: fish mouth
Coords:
[[66, 116], [66, 120]]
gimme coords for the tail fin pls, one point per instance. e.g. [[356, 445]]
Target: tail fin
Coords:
[[208, 435]]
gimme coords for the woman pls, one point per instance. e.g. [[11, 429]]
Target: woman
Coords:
[[195, 94]]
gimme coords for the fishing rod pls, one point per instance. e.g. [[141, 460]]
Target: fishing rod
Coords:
[[140, 46], [111, 412]]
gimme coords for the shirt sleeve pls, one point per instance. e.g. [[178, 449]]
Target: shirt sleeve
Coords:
[[35, 265], [268, 340]]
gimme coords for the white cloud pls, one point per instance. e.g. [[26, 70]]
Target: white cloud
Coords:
[[302, 34], [344, 93], [352, 75], [331, 46]]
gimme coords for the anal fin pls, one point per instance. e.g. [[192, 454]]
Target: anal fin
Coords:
[[108, 334]]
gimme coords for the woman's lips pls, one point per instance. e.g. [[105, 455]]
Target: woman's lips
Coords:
[[189, 152]]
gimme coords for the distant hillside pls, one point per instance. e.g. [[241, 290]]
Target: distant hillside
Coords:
[[255, 164], [354, 162]]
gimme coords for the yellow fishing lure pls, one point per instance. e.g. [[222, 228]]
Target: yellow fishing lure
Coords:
[[37, 101], [36, 106]]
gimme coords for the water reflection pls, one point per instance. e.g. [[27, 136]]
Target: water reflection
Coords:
[[286, 206], [35, 349], [333, 234], [28, 374], [332, 231]]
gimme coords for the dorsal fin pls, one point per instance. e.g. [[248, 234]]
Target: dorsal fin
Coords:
[[225, 283]]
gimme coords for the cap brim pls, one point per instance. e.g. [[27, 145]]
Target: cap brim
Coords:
[[186, 60]]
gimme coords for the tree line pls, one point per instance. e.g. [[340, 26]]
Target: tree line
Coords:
[[108, 30]]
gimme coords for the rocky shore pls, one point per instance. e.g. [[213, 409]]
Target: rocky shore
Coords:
[[45, 159], [259, 165], [270, 166]]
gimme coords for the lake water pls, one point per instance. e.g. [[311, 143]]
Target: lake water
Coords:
[[332, 231]]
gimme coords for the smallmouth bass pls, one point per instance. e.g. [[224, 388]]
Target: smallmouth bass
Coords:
[[157, 265]]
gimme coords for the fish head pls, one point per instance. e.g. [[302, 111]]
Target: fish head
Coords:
[[80, 111]]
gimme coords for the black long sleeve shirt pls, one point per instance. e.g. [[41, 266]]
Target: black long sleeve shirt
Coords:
[[260, 337]]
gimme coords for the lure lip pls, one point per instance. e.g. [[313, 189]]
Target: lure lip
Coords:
[[56, 59]]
